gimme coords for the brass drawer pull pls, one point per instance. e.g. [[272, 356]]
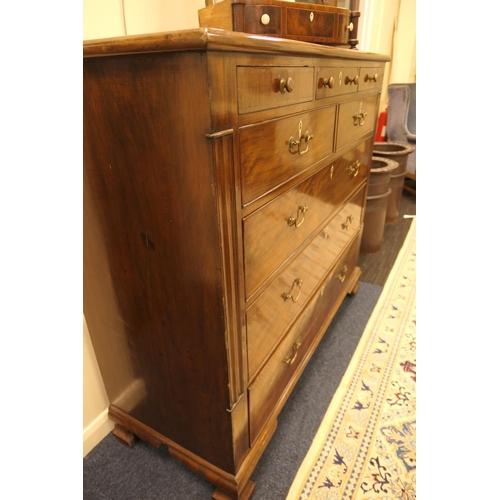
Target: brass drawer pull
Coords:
[[349, 27], [353, 170], [350, 81], [291, 358], [286, 85], [293, 221], [359, 119], [288, 295], [373, 78], [342, 275], [347, 223], [292, 144], [329, 82]]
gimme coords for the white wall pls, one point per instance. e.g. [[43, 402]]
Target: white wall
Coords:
[[390, 28], [109, 18]]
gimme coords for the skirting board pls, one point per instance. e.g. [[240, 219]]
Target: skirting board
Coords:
[[96, 431]]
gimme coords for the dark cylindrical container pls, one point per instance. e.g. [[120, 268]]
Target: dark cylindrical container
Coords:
[[374, 223], [380, 175], [396, 185], [396, 151]]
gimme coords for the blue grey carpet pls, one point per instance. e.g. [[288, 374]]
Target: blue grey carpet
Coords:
[[112, 471]]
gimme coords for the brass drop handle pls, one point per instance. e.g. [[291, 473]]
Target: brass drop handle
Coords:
[[292, 143], [286, 85], [288, 295], [347, 223], [373, 78], [329, 82], [342, 275], [353, 170], [359, 119], [291, 358], [350, 81], [294, 221]]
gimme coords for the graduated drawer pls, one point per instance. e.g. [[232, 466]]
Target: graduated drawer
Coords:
[[356, 118], [275, 151], [370, 78], [270, 315], [270, 387], [331, 81], [270, 236], [261, 88]]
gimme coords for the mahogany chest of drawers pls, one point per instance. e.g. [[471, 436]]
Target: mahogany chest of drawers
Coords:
[[225, 181]]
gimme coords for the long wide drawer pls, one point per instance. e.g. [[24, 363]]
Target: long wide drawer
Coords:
[[272, 233], [269, 316], [275, 151], [356, 118], [268, 389]]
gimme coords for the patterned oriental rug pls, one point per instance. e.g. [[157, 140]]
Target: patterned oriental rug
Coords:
[[365, 448]]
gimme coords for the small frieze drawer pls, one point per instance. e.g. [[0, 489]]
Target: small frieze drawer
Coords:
[[332, 81], [370, 78], [356, 118], [262, 20], [306, 23], [261, 88]]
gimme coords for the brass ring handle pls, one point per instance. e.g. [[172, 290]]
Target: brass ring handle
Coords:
[[349, 81], [342, 275], [291, 358], [293, 221], [288, 295], [373, 78], [286, 85], [353, 170], [347, 223]]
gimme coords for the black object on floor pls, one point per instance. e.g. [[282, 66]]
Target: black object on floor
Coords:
[[112, 471]]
